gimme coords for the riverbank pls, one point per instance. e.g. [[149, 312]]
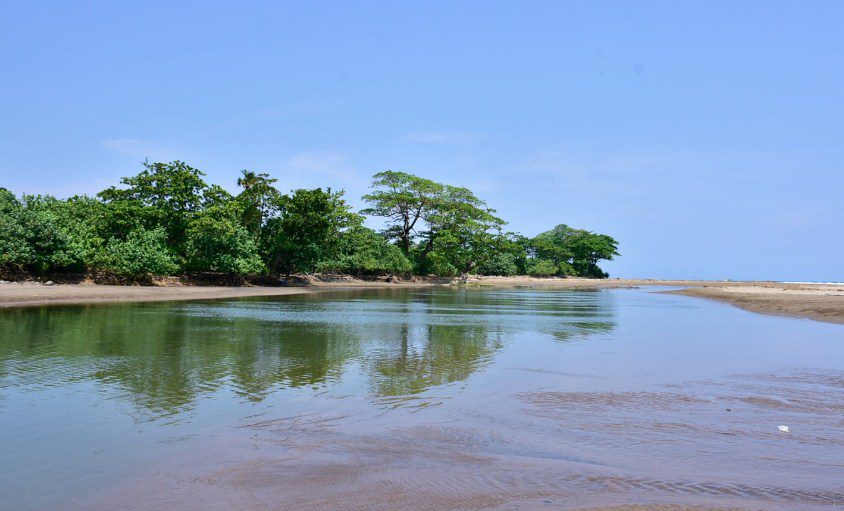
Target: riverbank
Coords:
[[29, 294], [35, 294], [822, 302]]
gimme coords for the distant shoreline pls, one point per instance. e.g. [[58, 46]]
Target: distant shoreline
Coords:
[[821, 302]]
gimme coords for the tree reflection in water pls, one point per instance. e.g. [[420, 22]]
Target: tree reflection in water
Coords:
[[164, 357]]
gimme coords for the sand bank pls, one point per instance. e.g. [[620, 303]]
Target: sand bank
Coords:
[[33, 294], [822, 302]]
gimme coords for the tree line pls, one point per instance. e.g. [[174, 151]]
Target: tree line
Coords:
[[167, 220]]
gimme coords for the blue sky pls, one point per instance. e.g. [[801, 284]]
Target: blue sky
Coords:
[[708, 137]]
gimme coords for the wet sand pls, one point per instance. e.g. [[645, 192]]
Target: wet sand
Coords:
[[540, 506], [668, 450], [821, 302]]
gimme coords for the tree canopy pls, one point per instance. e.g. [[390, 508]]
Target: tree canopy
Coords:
[[167, 220], [404, 199], [445, 229], [574, 251]]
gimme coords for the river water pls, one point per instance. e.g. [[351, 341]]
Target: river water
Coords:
[[419, 399]]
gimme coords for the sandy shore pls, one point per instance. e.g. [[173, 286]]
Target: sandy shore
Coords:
[[33, 294], [822, 302]]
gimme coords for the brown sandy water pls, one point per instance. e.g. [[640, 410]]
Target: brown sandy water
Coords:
[[421, 399]]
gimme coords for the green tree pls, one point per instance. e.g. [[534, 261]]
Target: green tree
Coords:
[[503, 263], [31, 236], [543, 268], [83, 222], [15, 250], [404, 199], [143, 253], [574, 251], [588, 248], [220, 244], [363, 251], [455, 229], [307, 230], [462, 230], [168, 194], [258, 198]]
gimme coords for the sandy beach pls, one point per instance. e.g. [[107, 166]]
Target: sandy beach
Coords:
[[821, 302]]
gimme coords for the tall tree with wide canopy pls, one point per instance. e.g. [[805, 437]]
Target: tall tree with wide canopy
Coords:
[[449, 221], [404, 199]]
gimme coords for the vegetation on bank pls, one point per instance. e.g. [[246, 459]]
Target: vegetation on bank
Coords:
[[167, 220]]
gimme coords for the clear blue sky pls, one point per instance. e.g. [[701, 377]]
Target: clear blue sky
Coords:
[[708, 137]]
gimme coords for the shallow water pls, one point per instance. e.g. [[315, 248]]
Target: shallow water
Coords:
[[419, 399]]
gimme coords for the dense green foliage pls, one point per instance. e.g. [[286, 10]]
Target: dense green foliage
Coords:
[[573, 251], [445, 229], [167, 220], [143, 252], [362, 251], [307, 230], [31, 235], [221, 245]]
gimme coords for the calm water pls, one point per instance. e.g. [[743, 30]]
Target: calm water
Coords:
[[419, 399]]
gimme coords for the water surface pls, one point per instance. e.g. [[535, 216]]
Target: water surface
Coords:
[[387, 399]]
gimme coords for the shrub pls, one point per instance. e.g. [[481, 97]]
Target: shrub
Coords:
[[499, 264], [143, 253], [221, 245], [365, 252], [31, 237], [439, 265], [543, 268]]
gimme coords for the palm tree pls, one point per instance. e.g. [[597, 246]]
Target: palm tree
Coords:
[[258, 193]]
